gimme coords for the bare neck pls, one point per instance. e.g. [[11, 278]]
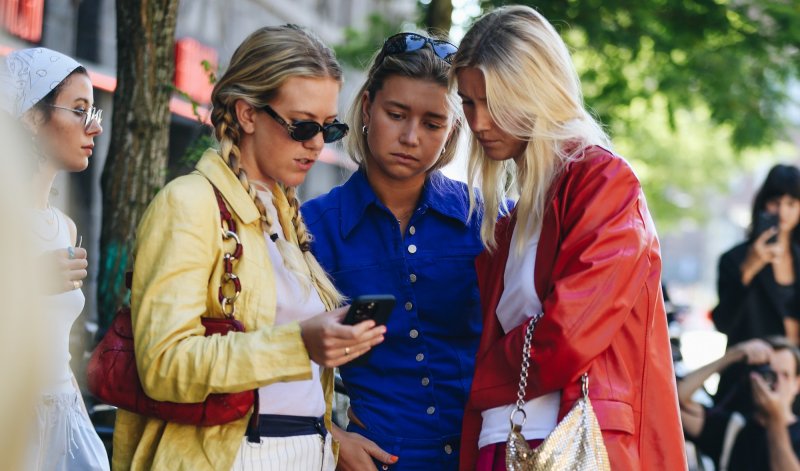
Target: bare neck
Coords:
[[42, 185], [401, 196]]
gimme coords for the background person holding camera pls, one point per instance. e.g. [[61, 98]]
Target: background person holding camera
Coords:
[[769, 436], [758, 285]]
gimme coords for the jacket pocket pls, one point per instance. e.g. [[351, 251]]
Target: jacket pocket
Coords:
[[614, 415]]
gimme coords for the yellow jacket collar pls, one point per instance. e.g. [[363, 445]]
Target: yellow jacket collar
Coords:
[[221, 176]]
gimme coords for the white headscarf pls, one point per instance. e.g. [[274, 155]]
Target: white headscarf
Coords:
[[30, 74]]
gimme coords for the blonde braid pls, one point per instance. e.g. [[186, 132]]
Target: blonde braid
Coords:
[[291, 254], [227, 132], [325, 287]]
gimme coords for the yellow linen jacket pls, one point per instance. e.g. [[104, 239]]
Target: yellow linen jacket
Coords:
[[178, 271]]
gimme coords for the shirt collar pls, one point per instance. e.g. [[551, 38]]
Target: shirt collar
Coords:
[[439, 194], [445, 196], [221, 176], [358, 195]]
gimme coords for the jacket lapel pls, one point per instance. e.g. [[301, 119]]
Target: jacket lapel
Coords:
[[216, 170]]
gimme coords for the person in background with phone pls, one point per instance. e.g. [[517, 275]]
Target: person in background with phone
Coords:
[[766, 438], [278, 75], [53, 99], [759, 279], [398, 226]]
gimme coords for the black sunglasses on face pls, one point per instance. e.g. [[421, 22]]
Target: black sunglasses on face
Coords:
[[304, 130], [409, 42]]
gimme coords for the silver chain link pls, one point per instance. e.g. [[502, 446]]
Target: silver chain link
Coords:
[[526, 361]]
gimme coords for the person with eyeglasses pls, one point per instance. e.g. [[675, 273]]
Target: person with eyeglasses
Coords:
[[274, 108], [52, 97], [399, 226], [577, 260]]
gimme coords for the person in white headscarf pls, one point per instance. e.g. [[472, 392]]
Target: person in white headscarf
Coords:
[[51, 96]]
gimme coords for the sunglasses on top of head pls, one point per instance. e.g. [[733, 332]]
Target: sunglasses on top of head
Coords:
[[409, 42], [305, 130]]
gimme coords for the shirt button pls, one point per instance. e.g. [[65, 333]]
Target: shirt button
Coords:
[[409, 306], [426, 381], [412, 248], [420, 357], [412, 230], [413, 278], [431, 410], [413, 333], [448, 449]]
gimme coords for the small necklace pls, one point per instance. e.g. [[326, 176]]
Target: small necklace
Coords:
[[403, 217], [53, 219]]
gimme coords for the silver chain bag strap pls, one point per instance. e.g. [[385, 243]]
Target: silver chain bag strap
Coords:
[[576, 444]]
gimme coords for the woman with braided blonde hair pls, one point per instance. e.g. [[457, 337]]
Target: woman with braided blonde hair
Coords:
[[273, 109]]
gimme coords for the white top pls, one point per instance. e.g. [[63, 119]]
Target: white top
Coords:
[[518, 303], [300, 398], [59, 310]]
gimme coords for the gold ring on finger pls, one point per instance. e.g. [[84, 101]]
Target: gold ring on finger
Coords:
[[76, 284], [346, 351]]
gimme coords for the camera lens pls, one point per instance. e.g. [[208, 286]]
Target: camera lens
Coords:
[[767, 373]]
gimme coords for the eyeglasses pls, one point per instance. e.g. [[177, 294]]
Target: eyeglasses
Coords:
[[304, 130], [91, 115], [409, 42]]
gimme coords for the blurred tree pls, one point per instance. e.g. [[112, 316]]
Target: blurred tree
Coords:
[[437, 15], [137, 157], [735, 57], [359, 46]]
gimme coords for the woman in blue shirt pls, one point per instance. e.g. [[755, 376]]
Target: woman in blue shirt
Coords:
[[399, 226]]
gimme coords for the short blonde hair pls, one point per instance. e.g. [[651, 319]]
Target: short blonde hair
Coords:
[[421, 64], [259, 67], [533, 93]]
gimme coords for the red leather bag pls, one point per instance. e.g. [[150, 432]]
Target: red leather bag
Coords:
[[114, 379]]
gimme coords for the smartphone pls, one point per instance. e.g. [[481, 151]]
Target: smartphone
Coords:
[[764, 221], [370, 306]]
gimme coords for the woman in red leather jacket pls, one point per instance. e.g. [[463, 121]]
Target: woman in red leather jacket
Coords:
[[580, 247]]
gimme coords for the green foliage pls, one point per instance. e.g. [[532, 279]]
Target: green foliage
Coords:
[[204, 139], [359, 46], [735, 58], [197, 147]]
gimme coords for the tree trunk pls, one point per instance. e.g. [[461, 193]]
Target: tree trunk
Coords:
[[136, 165], [438, 16]]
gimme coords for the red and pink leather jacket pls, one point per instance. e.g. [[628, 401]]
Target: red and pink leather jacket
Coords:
[[598, 275]]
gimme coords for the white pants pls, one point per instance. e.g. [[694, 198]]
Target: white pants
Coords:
[[64, 438], [301, 453]]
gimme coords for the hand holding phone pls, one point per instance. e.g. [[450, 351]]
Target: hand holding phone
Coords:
[[371, 306], [764, 222]]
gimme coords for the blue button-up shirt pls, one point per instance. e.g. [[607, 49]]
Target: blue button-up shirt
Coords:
[[415, 384]]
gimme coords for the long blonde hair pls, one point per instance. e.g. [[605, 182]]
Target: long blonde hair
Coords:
[[533, 93], [260, 66], [421, 64]]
